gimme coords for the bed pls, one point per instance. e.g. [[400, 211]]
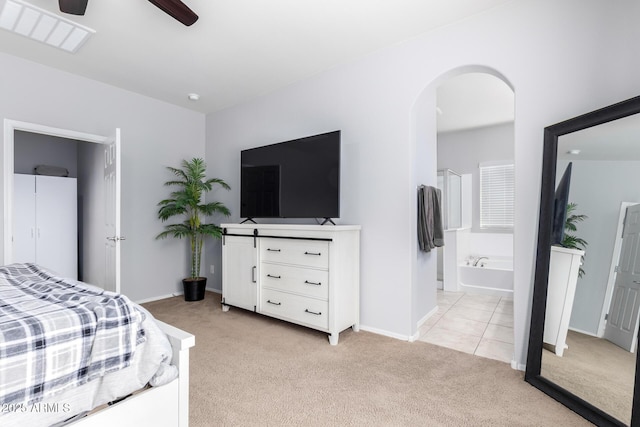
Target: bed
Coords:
[[75, 355]]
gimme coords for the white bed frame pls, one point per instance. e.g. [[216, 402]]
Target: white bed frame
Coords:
[[164, 406]]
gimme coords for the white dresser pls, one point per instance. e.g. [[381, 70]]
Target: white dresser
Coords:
[[304, 274], [564, 268]]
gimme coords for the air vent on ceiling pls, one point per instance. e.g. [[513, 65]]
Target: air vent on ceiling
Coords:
[[44, 26]]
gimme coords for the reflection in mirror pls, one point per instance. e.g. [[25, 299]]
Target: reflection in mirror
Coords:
[[586, 298], [600, 305]]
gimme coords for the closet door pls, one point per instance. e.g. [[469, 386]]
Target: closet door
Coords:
[[24, 218], [56, 224]]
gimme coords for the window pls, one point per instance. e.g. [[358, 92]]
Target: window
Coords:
[[497, 195]]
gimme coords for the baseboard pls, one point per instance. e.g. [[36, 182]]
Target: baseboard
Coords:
[[427, 316], [158, 298], [386, 333], [421, 322], [410, 338], [580, 331], [175, 294], [518, 366]]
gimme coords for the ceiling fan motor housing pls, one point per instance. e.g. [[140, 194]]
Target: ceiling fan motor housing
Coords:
[[74, 7]]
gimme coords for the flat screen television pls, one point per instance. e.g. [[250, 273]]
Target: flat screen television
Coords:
[[292, 179], [560, 202]]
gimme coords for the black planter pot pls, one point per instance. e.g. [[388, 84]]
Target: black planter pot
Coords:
[[194, 288]]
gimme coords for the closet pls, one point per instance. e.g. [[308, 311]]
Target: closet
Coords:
[[45, 229]]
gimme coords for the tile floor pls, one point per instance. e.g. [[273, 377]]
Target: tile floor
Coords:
[[476, 324]]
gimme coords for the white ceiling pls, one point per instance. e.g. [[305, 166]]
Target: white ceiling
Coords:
[[474, 100], [612, 141], [238, 49]]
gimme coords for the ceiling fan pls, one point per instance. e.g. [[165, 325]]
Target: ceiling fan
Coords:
[[174, 8]]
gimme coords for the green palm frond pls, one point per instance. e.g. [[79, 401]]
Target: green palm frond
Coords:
[[570, 225], [188, 201]]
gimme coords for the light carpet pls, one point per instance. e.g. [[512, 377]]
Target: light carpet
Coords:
[[249, 370], [595, 370]]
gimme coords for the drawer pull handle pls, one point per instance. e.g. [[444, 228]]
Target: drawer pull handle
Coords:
[[313, 253], [273, 250], [274, 303], [306, 310], [313, 283], [274, 277]]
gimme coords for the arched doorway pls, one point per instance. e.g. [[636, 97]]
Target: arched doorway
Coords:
[[474, 140]]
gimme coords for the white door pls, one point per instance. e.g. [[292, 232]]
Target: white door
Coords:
[[239, 275], [45, 229], [57, 224], [112, 213], [622, 321], [24, 218]]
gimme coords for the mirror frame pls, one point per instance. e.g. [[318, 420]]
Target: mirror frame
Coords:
[[534, 357]]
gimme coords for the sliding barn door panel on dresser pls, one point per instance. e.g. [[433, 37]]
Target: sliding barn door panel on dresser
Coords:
[[304, 274], [239, 260]]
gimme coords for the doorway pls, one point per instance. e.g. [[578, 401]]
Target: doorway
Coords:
[[475, 126], [99, 206]]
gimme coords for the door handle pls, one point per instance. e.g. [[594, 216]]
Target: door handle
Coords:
[[253, 274], [116, 238]]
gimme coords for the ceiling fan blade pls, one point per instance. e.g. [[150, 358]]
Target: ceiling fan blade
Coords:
[[74, 7], [176, 9]]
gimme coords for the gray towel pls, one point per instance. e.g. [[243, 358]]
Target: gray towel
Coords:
[[430, 231]]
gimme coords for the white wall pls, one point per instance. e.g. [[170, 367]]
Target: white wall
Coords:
[[562, 59], [498, 245], [463, 151], [33, 149], [154, 134]]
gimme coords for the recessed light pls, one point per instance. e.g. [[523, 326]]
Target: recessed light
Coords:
[[193, 96], [574, 151]]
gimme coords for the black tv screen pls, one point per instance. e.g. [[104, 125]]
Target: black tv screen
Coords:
[[292, 179], [560, 202]]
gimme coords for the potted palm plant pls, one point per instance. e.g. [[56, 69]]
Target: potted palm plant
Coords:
[[187, 201]]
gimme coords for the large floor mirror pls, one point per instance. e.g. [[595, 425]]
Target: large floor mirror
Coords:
[[586, 300]]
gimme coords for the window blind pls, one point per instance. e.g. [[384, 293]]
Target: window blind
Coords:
[[497, 195]]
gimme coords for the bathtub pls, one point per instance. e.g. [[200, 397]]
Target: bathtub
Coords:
[[493, 276]]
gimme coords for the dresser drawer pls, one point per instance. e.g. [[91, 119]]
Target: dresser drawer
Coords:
[[295, 308], [299, 280], [308, 253]]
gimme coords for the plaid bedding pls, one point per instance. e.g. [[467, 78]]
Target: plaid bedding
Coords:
[[57, 333]]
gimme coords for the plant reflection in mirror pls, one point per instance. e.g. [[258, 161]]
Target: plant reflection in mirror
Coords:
[[570, 240]]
